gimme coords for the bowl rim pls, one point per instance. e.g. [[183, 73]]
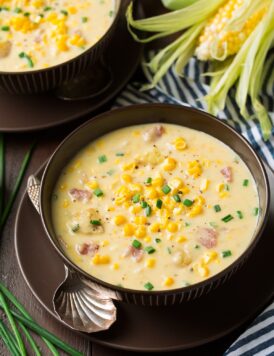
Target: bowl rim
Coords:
[[76, 58], [185, 289]]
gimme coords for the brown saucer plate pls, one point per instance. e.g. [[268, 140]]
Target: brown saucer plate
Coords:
[[21, 113], [155, 329]]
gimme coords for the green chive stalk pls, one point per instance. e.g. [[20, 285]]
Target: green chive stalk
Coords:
[[30, 339], [17, 185], [49, 336], [24, 312], [13, 325], [8, 340]]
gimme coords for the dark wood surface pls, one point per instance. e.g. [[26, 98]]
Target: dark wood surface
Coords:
[[16, 146]]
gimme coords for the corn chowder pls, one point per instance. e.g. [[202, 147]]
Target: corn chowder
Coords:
[[155, 207], [37, 34]]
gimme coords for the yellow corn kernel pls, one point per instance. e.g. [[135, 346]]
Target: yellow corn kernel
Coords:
[[111, 208], [168, 281], [176, 183], [200, 200], [63, 187], [155, 227], [206, 163], [223, 194], [127, 204], [126, 178], [185, 189], [100, 259], [129, 166], [119, 220], [170, 164], [201, 269], [140, 220], [209, 256], [136, 188], [128, 230], [220, 187], [194, 211], [172, 226], [157, 181], [116, 266], [147, 239], [77, 164], [136, 133], [140, 231], [65, 203], [181, 239], [77, 40], [194, 169], [92, 184], [204, 185], [180, 144], [150, 262], [135, 209], [170, 237], [117, 160], [72, 10], [178, 210], [151, 193], [104, 243], [61, 43]]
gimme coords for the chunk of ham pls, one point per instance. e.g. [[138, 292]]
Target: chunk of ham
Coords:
[[207, 237], [153, 133], [227, 173], [136, 253], [79, 194], [87, 248]]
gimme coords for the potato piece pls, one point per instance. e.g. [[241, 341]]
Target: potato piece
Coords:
[[5, 48], [84, 218], [181, 258], [153, 157]]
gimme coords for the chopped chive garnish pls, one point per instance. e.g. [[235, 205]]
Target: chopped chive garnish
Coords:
[[197, 247], [159, 203], [150, 249], [186, 284], [110, 172], [149, 286], [136, 198], [187, 224], [227, 187], [120, 154], [256, 211], [148, 181], [177, 198], [187, 202], [64, 12], [240, 214], [158, 241], [245, 182], [111, 13], [95, 222], [98, 192], [26, 14], [136, 244], [5, 28], [28, 58], [47, 8], [166, 189], [54, 196], [84, 19], [227, 218], [217, 208], [75, 228], [17, 10], [144, 204], [213, 224], [226, 253], [169, 250], [4, 8], [102, 159], [148, 210]]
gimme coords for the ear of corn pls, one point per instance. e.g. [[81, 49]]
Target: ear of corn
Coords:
[[223, 35]]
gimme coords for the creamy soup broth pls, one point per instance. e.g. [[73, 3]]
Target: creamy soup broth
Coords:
[[155, 207], [37, 34]]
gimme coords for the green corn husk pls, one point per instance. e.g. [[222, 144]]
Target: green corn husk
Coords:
[[177, 4]]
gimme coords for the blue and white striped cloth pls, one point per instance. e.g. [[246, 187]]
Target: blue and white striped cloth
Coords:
[[258, 339]]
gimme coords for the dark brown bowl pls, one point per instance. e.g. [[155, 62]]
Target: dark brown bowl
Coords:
[[149, 113], [41, 80]]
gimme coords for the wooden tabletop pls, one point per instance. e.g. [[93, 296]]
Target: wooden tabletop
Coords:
[[16, 147]]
